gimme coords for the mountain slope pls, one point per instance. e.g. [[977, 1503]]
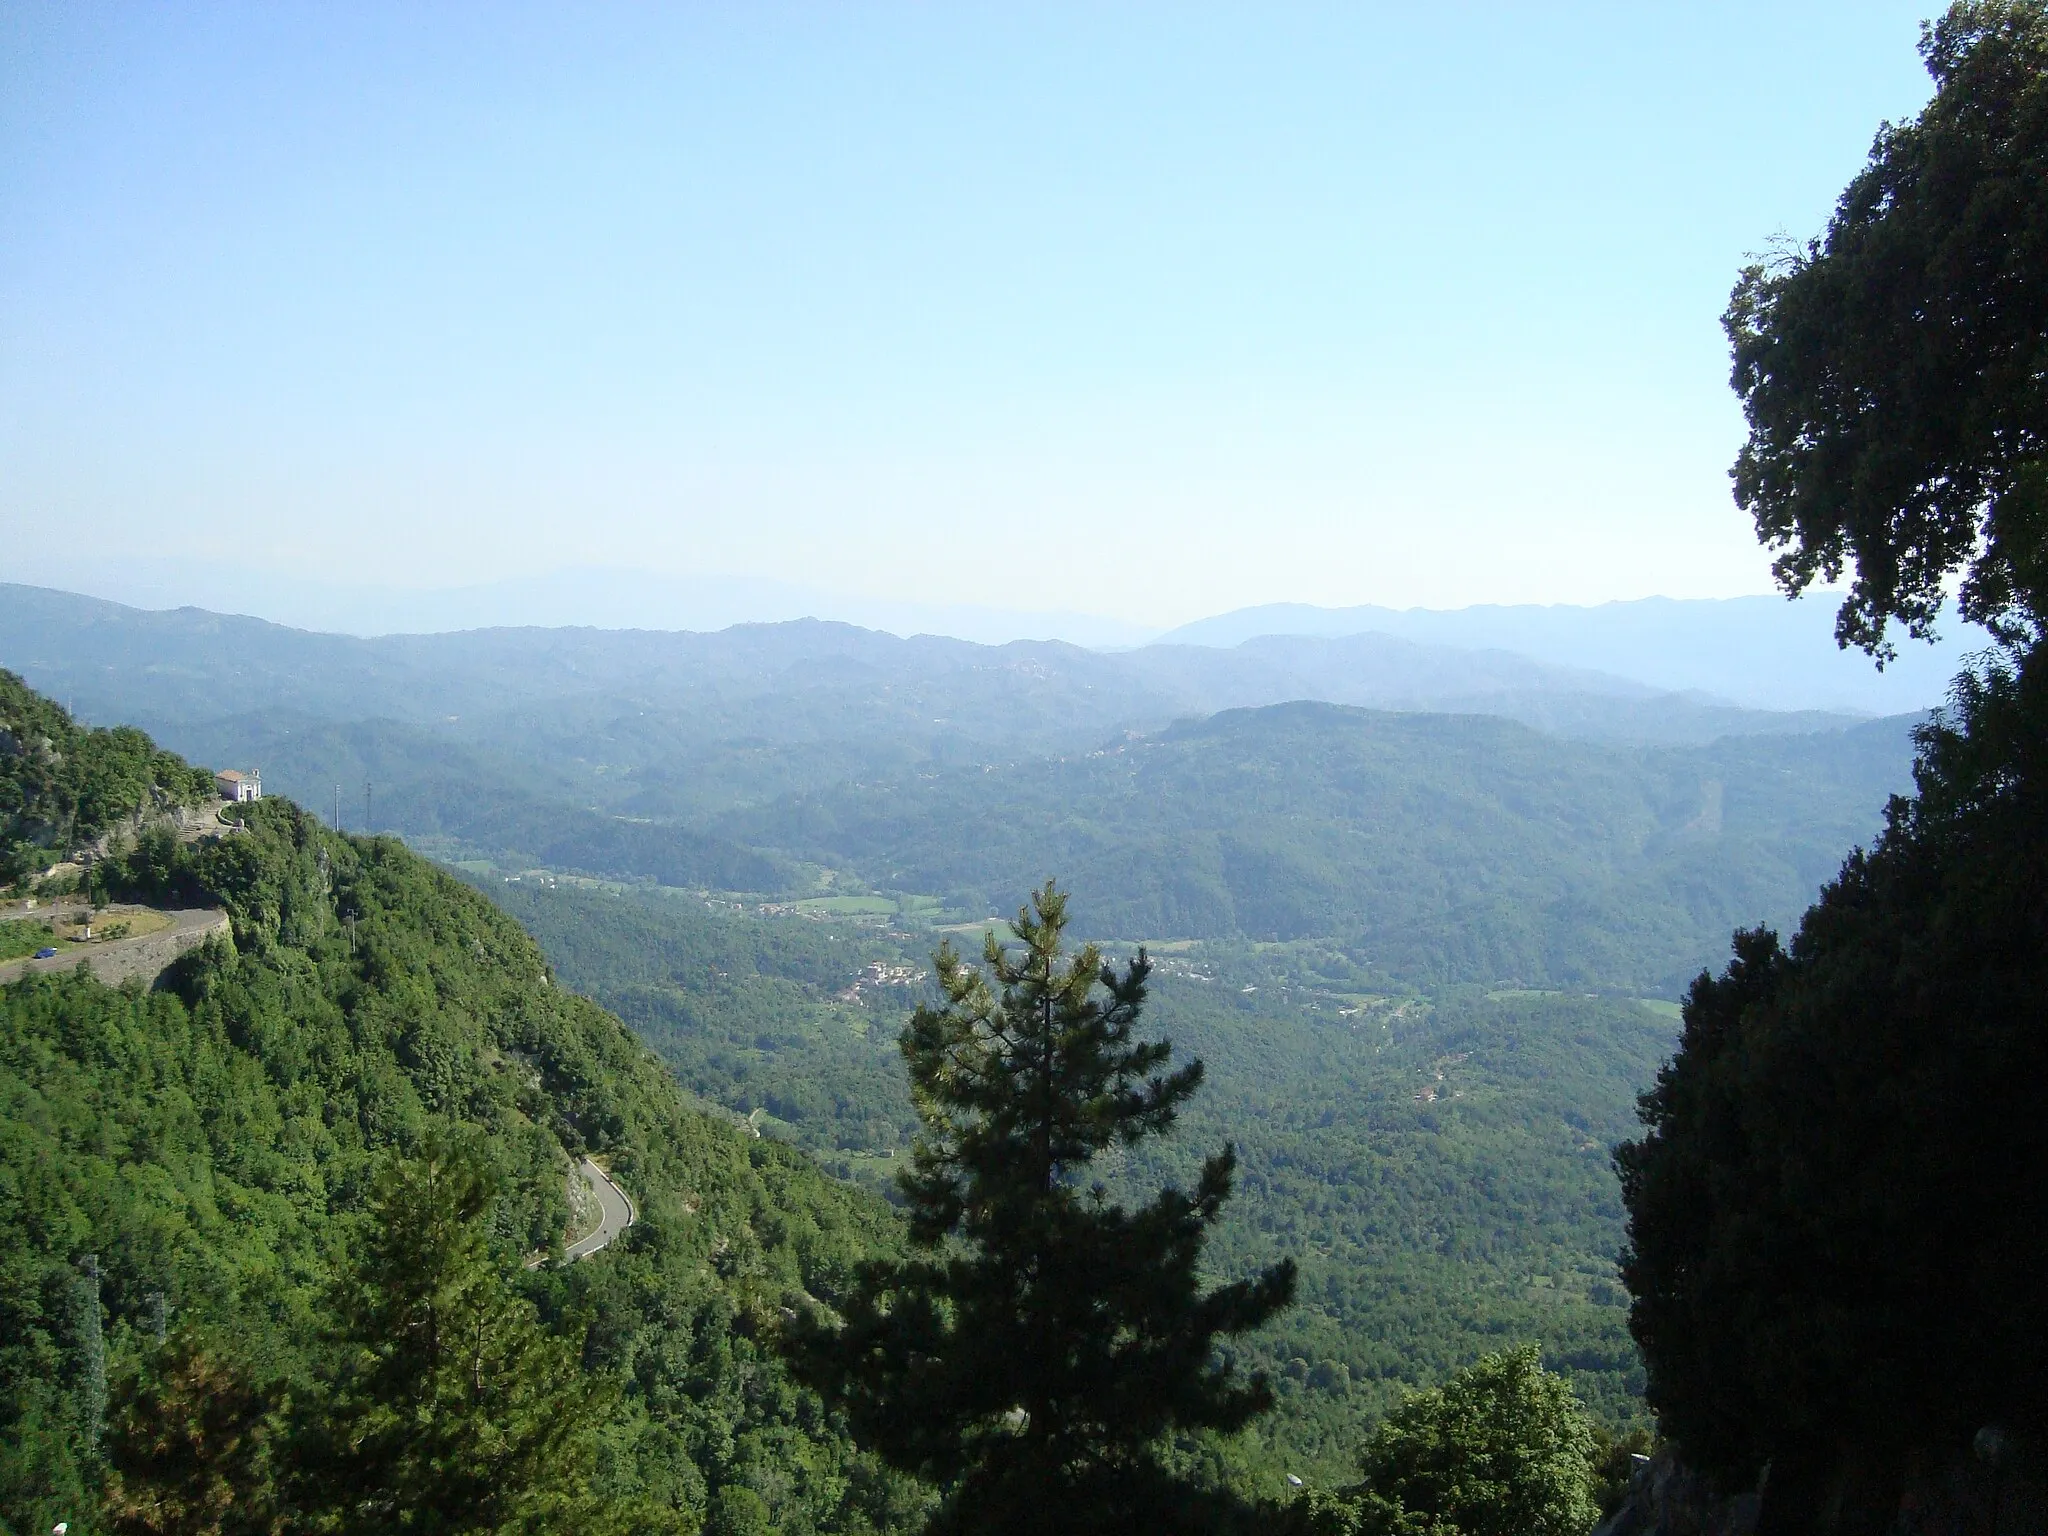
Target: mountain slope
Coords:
[[1763, 651], [1444, 848], [209, 1141], [61, 784], [1437, 1165], [423, 784], [796, 683]]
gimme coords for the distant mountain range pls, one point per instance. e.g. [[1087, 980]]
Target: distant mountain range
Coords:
[[1761, 652], [1758, 652], [588, 595], [1441, 847], [807, 680], [1384, 792]]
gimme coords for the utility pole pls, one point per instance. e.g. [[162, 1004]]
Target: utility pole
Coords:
[[369, 821], [337, 807], [92, 1349]]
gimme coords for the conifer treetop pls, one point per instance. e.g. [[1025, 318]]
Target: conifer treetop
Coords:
[[1041, 1340]]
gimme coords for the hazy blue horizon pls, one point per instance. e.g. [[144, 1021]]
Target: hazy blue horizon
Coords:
[[1756, 651]]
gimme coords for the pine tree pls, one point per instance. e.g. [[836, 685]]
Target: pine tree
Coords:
[[457, 1411], [192, 1447], [1041, 1340]]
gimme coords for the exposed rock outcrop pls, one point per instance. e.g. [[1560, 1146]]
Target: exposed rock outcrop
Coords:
[[1665, 1498], [1995, 1488]]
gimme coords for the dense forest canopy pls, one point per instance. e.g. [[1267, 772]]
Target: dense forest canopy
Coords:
[[60, 783], [1436, 1163], [1836, 1218], [211, 1140], [1895, 370], [1836, 1209], [367, 1000]]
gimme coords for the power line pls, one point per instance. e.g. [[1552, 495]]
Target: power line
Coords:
[[92, 1349]]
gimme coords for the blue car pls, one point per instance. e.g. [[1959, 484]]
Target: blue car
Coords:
[[46, 954]]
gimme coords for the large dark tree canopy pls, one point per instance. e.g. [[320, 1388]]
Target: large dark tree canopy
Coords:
[[1838, 1215], [1838, 1210], [1895, 372]]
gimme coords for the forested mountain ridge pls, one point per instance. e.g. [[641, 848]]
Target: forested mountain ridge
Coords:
[[802, 681], [428, 786], [1435, 1164], [60, 782], [1440, 848], [1444, 848], [1609, 839], [210, 1142]]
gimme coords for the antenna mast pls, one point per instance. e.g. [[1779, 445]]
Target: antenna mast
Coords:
[[92, 1350]]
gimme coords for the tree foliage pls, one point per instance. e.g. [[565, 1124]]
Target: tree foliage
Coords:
[[455, 1411], [1032, 1353], [192, 1446], [443, 1406], [61, 782], [1501, 1449], [1836, 1227], [1895, 372], [1835, 1213], [216, 1141]]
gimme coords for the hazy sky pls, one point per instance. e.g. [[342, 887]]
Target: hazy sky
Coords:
[[1144, 310]]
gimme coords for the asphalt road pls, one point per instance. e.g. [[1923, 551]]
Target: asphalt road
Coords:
[[612, 1202], [114, 959]]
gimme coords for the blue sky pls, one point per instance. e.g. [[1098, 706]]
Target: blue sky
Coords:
[[1151, 311]]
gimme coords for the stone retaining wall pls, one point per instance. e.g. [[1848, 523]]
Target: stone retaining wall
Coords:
[[147, 957]]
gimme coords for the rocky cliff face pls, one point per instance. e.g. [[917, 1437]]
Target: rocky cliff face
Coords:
[[1665, 1498], [1998, 1487]]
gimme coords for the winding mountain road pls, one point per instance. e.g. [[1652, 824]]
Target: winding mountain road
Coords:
[[115, 960], [616, 1212]]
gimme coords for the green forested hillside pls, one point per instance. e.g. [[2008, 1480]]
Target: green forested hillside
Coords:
[[1445, 848], [59, 782], [1356, 914], [646, 700], [428, 786], [1440, 848], [1439, 1170], [1436, 1163], [210, 1140], [746, 1009]]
